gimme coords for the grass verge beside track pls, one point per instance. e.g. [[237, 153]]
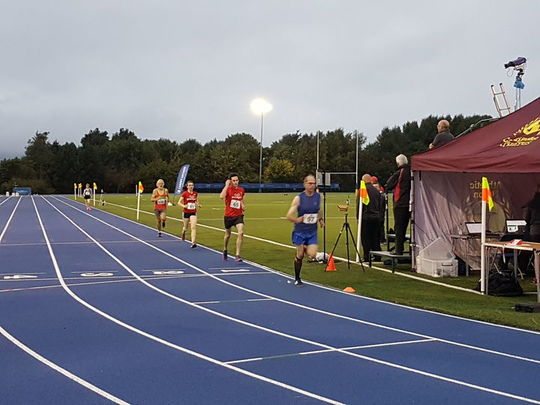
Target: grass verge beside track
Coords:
[[264, 219]]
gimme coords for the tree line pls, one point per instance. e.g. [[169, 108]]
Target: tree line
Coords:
[[117, 162]]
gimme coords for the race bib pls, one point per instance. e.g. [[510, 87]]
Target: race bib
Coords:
[[310, 218], [161, 201], [235, 204], [191, 206]]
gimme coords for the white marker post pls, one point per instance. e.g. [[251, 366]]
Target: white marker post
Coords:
[[75, 190], [138, 203], [483, 288]]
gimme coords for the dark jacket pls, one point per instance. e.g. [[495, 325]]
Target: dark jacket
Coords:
[[402, 194], [442, 138], [372, 210], [533, 216]]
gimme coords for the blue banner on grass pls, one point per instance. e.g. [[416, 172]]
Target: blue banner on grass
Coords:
[[181, 179]]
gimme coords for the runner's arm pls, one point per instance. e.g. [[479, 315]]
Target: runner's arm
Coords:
[[223, 193], [291, 214]]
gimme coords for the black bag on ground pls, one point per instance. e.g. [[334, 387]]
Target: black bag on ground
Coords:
[[502, 284]]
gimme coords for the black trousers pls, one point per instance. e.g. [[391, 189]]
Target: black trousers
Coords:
[[370, 236], [401, 221]]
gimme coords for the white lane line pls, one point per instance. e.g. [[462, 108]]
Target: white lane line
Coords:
[[44, 287], [231, 301], [234, 271], [81, 243], [6, 200], [228, 268], [9, 220], [286, 335], [25, 277], [153, 337], [402, 342], [481, 349], [61, 370], [397, 273]]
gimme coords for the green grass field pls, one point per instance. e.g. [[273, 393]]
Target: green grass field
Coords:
[[264, 219]]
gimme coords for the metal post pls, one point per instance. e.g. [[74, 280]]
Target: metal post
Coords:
[[356, 175], [261, 153], [317, 150]]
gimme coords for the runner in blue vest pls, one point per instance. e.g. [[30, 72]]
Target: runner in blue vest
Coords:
[[305, 213]]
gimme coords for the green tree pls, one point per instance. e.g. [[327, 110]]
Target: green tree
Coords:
[[40, 155], [279, 171]]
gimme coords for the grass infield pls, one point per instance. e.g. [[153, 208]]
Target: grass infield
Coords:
[[264, 218]]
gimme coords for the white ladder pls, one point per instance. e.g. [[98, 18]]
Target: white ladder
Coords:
[[500, 100]]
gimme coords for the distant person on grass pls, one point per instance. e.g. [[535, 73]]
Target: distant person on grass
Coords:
[[160, 198], [233, 196], [87, 195], [305, 213], [189, 201]]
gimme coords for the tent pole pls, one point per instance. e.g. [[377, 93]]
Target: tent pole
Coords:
[[412, 244]]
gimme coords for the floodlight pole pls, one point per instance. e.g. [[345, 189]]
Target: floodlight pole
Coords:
[[261, 154], [317, 151]]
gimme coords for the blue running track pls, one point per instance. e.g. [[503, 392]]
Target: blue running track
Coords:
[[95, 308]]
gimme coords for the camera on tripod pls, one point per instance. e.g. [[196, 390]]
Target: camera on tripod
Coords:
[[344, 207]]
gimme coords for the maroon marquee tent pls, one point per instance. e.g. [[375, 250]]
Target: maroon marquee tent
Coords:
[[447, 180]]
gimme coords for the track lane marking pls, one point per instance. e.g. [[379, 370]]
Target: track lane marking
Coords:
[[454, 287], [494, 352], [153, 337], [9, 220], [6, 200], [61, 370], [124, 279], [402, 342], [286, 335], [231, 301]]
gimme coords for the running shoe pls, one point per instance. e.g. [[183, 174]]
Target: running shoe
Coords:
[[238, 259], [225, 257], [159, 234], [298, 282], [183, 236], [193, 245]]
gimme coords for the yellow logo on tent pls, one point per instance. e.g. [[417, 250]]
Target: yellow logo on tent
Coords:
[[525, 136], [532, 127]]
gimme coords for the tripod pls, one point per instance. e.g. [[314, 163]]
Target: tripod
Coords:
[[348, 233]]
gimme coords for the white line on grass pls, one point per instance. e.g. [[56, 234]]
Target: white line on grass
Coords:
[[153, 337], [498, 353], [286, 335]]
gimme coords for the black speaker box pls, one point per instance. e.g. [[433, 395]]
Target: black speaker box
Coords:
[[528, 307]]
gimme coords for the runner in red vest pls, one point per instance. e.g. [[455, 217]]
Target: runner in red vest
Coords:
[[233, 195], [160, 198], [189, 201]]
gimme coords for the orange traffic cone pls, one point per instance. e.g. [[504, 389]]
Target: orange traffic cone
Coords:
[[331, 266], [349, 290]]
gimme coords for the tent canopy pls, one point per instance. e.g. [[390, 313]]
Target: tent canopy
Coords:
[[508, 145]]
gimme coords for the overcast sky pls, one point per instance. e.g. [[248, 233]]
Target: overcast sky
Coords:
[[177, 69]]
